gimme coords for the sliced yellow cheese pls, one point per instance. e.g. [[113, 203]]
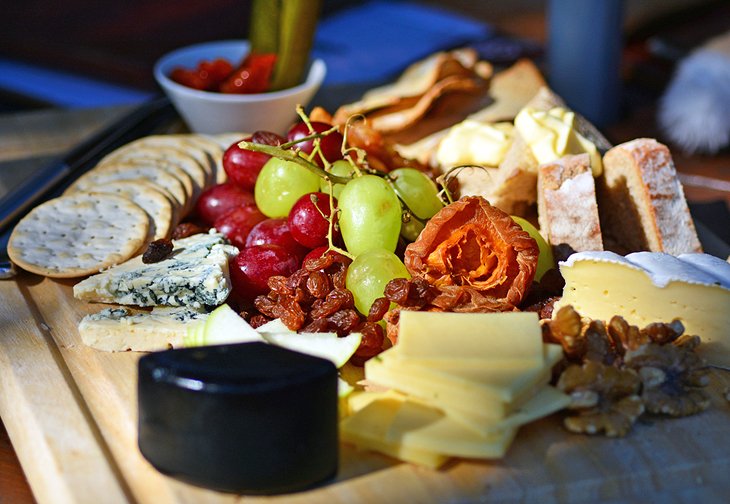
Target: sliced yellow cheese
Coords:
[[368, 430], [468, 387], [546, 401], [647, 287], [440, 337], [421, 427]]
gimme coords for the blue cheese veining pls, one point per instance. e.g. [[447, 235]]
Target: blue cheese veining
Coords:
[[195, 275]]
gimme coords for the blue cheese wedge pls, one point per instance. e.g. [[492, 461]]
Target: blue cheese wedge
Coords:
[[120, 330], [194, 275]]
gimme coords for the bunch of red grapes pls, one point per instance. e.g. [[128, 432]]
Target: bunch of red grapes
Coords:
[[269, 246]]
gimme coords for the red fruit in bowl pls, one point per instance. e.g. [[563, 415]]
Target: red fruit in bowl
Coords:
[[308, 219], [251, 268], [220, 199], [275, 232], [237, 223], [243, 166], [330, 145]]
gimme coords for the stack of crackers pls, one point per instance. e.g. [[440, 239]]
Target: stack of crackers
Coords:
[[136, 194]]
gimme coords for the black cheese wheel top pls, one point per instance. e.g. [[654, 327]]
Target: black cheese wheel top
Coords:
[[246, 418]]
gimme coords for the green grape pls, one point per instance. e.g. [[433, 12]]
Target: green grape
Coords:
[[280, 184], [368, 275], [411, 228], [370, 215], [545, 259], [417, 191], [341, 168]]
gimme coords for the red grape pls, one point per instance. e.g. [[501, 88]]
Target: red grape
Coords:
[[275, 232], [219, 199], [237, 223], [243, 166], [307, 223], [330, 145], [251, 268]]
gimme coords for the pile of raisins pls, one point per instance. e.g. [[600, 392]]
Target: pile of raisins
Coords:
[[315, 299]]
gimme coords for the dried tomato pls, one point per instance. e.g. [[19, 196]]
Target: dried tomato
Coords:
[[253, 76], [477, 256]]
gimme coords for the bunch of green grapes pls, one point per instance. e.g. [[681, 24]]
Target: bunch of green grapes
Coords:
[[374, 210]]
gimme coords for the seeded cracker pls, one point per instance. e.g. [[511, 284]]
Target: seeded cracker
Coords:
[[171, 185], [78, 235], [150, 199]]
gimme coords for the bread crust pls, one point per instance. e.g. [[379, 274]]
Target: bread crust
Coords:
[[567, 206], [641, 201]]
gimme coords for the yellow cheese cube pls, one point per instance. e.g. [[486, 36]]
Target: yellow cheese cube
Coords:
[[465, 336]]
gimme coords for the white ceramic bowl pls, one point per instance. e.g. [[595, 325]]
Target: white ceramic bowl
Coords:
[[209, 112]]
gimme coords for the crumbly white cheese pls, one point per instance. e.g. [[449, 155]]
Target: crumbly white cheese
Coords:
[[194, 275], [119, 329]]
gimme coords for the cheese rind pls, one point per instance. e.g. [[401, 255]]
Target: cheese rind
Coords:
[[647, 287], [120, 330], [195, 274]]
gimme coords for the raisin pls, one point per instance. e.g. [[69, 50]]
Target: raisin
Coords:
[[378, 309], [279, 285], [185, 229], [319, 325], [257, 321], [319, 263], [318, 284], [337, 299], [157, 251], [371, 344], [344, 321], [290, 313], [266, 306]]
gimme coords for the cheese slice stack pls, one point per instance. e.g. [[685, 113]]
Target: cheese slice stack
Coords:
[[460, 385], [646, 287]]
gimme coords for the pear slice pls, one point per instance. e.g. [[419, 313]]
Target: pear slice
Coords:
[[324, 345]]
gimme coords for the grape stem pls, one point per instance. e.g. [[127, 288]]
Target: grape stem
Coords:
[[281, 152]]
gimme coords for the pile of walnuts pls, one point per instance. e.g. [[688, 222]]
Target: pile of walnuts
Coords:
[[615, 372]]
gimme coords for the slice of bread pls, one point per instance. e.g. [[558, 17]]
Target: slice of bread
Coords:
[[567, 206], [641, 201]]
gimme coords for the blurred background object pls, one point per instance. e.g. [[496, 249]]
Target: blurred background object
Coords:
[[84, 54], [695, 109]]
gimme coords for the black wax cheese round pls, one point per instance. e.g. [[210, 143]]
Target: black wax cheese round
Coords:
[[246, 418]]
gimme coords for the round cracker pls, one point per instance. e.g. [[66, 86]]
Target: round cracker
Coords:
[[170, 154], [78, 235], [150, 199], [203, 152], [171, 185]]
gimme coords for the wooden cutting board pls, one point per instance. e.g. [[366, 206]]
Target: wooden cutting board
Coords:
[[71, 414]]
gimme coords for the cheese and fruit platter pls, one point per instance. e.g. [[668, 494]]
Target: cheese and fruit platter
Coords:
[[454, 289]]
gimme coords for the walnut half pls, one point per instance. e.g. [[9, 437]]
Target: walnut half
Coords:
[[672, 378], [605, 397]]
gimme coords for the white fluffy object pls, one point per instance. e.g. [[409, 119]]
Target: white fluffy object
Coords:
[[695, 109]]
